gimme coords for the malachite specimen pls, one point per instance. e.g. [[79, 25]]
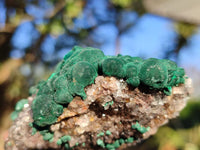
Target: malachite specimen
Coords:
[[129, 140], [34, 130], [121, 141], [18, 107], [100, 134], [100, 143], [81, 66], [59, 142], [48, 136], [116, 144], [65, 138], [83, 144], [108, 132], [110, 103], [140, 128]]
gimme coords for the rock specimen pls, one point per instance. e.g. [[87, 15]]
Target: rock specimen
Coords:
[[97, 101]]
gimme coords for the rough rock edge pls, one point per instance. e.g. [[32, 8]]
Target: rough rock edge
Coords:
[[148, 107]]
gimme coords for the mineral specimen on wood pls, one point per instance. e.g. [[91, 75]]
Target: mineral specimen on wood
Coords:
[[97, 101]]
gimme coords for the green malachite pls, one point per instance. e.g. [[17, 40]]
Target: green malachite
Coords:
[[140, 128], [81, 66], [18, 107]]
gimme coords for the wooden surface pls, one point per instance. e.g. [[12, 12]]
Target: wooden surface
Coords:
[[180, 10]]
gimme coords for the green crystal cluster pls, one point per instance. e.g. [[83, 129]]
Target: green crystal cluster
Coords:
[[81, 66], [117, 143], [77, 70], [140, 128], [114, 145], [18, 107], [63, 139]]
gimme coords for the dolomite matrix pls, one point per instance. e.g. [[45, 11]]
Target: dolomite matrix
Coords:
[[94, 101]]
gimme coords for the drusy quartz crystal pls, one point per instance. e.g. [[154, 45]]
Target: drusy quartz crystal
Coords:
[[81, 66]]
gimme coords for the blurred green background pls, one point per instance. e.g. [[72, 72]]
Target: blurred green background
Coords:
[[36, 34]]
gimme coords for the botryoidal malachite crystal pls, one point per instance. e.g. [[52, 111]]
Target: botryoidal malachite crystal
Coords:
[[18, 107], [81, 66]]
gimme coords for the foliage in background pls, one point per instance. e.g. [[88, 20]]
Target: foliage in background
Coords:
[[35, 34]]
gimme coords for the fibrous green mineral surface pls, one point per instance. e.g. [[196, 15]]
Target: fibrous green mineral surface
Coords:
[[81, 66]]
